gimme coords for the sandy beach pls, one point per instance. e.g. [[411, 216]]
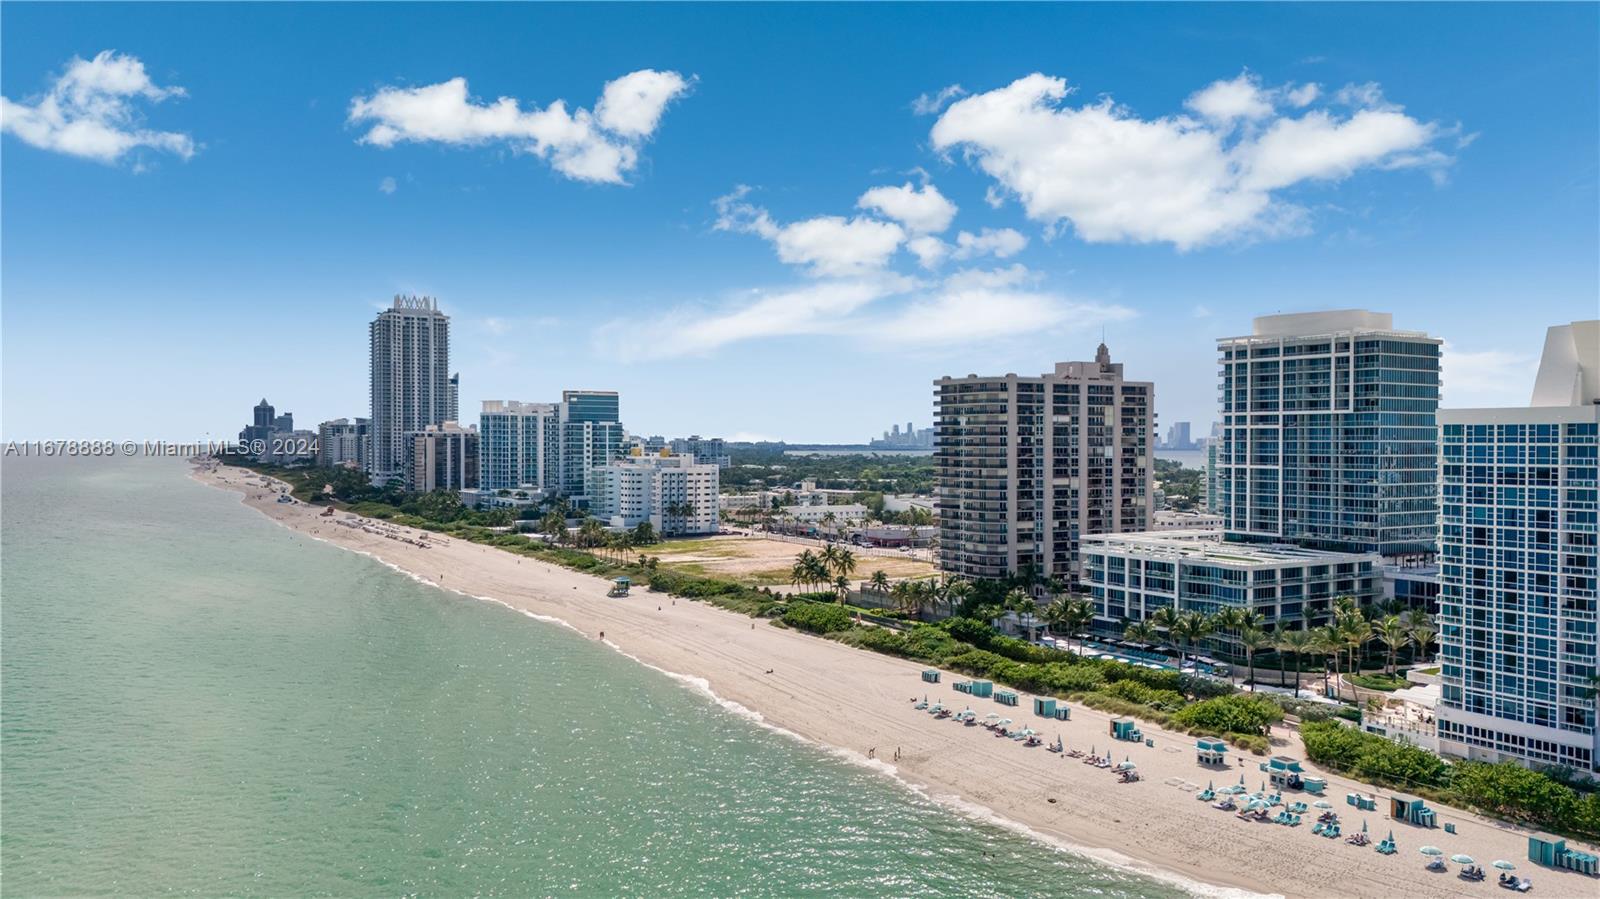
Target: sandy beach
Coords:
[[854, 701]]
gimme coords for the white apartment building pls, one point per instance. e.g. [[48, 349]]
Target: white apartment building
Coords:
[[520, 446], [411, 384], [674, 493], [1175, 520], [1029, 465], [343, 442], [1517, 567]]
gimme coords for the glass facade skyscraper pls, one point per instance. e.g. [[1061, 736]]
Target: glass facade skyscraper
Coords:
[[1329, 434], [1517, 573], [591, 435]]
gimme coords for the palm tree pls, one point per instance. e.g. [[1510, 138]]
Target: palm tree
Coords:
[[1328, 642], [1140, 632], [1391, 633], [1295, 642], [957, 592], [1165, 619], [844, 562], [554, 526], [1191, 629], [1355, 632], [879, 581], [842, 585], [1253, 639], [829, 557], [1068, 615], [1422, 630]]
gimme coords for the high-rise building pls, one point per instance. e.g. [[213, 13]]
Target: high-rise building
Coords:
[[520, 445], [705, 450], [453, 404], [591, 436], [259, 431], [1028, 465], [342, 442], [263, 414], [1517, 567], [674, 493], [443, 457], [284, 422], [410, 365], [1329, 433], [1178, 436]]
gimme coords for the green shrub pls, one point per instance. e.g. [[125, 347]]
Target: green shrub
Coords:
[[818, 618], [1236, 714]]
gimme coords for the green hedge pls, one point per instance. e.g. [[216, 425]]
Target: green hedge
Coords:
[[818, 618], [1505, 789]]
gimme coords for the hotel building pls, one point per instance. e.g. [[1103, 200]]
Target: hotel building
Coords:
[[1517, 573], [1329, 434], [677, 495], [1026, 466], [410, 363]]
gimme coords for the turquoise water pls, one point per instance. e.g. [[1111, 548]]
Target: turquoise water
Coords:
[[197, 701]]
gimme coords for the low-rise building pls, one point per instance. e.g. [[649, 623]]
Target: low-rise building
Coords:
[[1130, 576], [676, 495]]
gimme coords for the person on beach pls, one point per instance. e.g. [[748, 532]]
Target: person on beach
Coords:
[[602, 635]]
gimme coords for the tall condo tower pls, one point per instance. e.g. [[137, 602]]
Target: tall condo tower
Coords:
[[410, 365], [1329, 434], [1517, 572], [1028, 465]]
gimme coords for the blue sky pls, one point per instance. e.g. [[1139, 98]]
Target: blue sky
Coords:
[[705, 241]]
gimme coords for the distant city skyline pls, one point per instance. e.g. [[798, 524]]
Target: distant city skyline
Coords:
[[788, 236]]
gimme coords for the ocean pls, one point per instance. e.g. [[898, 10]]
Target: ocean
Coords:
[[199, 702]]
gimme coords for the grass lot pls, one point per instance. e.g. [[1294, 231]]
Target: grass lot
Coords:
[[758, 562]]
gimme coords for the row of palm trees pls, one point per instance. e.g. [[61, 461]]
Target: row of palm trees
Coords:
[[1340, 642], [831, 567]]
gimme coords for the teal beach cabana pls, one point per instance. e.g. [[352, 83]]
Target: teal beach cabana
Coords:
[[1047, 707], [619, 586], [1126, 729], [1412, 810], [1005, 697], [1553, 852], [1211, 752], [1284, 772], [929, 675]]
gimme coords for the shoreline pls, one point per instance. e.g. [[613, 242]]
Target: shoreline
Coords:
[[845, 701]]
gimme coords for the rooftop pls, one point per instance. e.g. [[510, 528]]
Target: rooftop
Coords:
[[1202, 546]]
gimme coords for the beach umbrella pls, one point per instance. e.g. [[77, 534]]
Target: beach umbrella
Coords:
[[1504, 865], [1461, 859], [1363, 825], [1210, 787], [1126, 766], [1322, 803], [1241, 780], [1431, 850]]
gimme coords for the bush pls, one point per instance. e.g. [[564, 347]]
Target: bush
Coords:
[[1236, 714], [818, 618]]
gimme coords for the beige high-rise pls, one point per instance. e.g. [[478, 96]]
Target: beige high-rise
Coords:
[[1028, 465]]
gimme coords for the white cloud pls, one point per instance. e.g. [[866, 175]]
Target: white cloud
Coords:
[[928, 104], [828, 245], [1488, 378], [1115, 177], [1002, 243], [1225, 101], [922, 210], [598, 147], [970, 311], [387, 186], [1201, 310], [969, 306], [929, 250], [88, 111], [817, 308]]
